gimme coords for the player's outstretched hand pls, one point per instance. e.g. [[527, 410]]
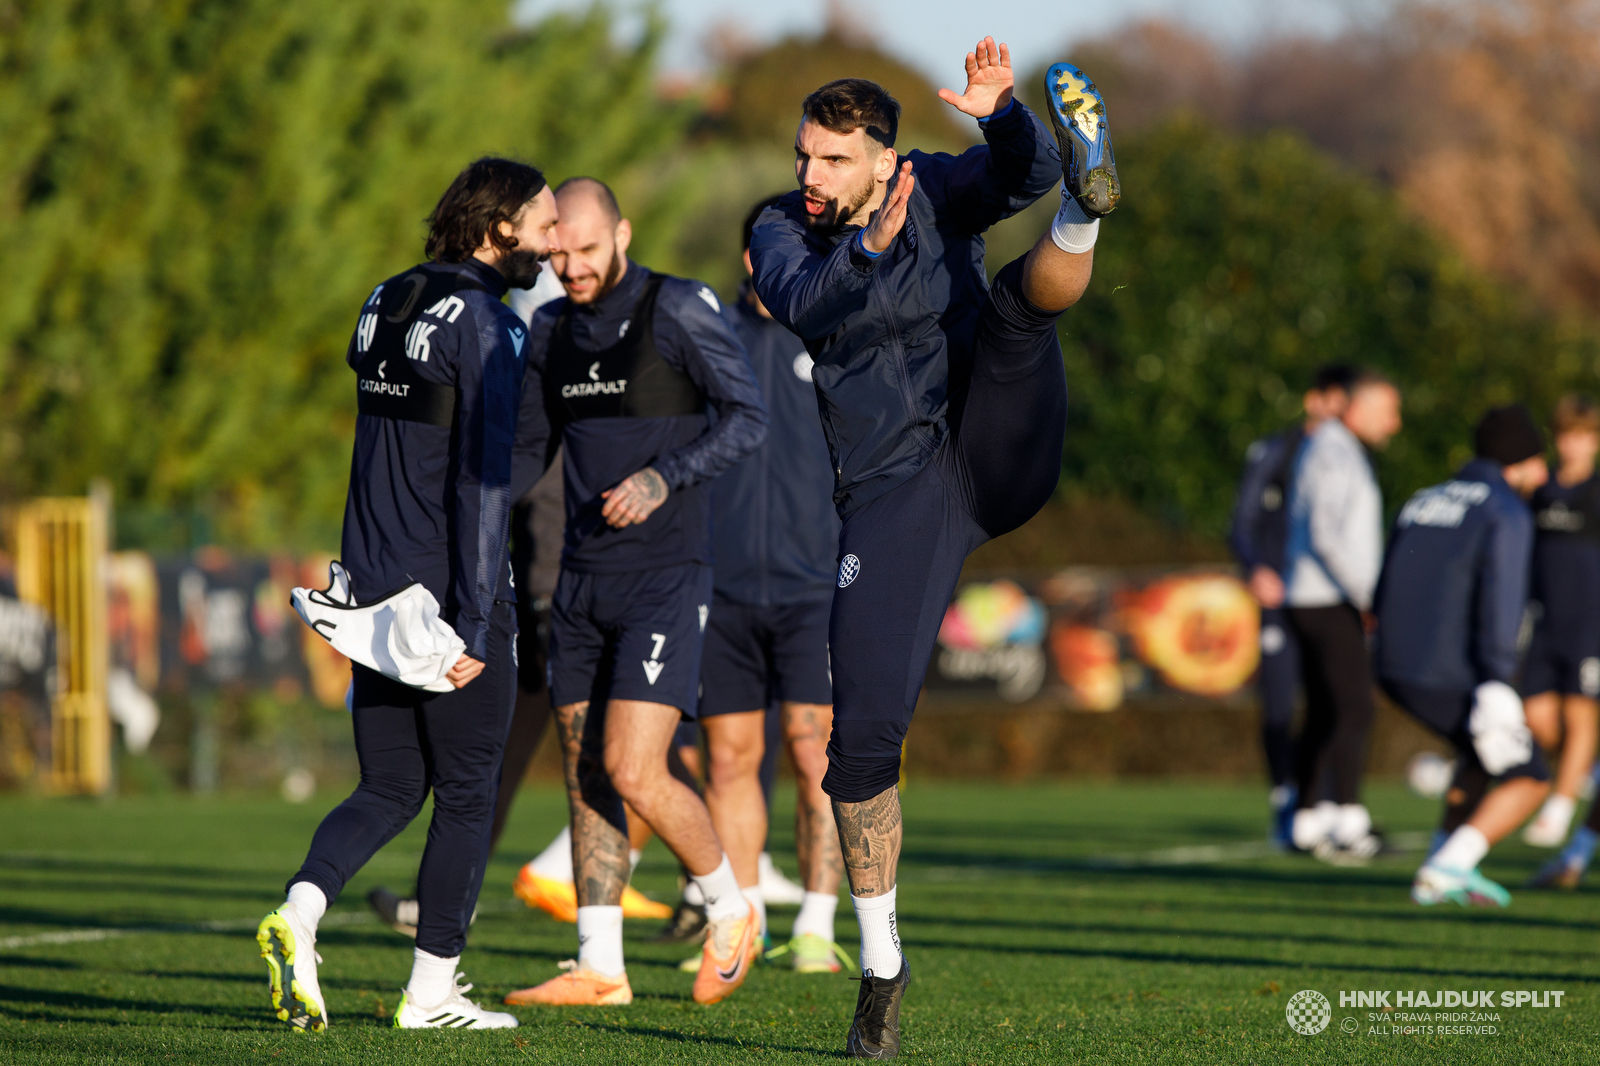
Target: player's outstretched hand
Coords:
[[465, 669], [890, 219], [635, 499], [989, 81]]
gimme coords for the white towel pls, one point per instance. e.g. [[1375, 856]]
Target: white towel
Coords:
[[400, 636]]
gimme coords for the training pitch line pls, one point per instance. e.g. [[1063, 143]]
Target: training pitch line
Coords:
[[1195, 855]]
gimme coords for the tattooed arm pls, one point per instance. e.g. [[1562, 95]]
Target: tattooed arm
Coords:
[[634, 499], [599, 828], [869, 834]]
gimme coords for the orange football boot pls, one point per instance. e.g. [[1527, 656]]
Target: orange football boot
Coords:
[[636, 904], [731, 946], [577, 987], [558, 899]]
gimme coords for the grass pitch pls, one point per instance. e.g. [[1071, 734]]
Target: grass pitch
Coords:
[[1044, 923]]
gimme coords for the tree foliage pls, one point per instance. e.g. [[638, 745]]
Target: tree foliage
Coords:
[[1232, 268], [197, 194]]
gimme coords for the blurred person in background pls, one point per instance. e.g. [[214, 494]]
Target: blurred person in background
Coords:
[[1561, 676], [1259, 539], [775, 535], [440, 366], [944, 405], [1333, 558], [631, 361], [1449, 609]]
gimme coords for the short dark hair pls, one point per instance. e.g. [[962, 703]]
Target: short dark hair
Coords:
[[755, 213], [1576, 412], [1339, 376], [490, 191], [599, 189], [848, 104]]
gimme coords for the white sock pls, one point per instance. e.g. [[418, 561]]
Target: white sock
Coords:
[[309, 902], [753, 894], [721, 888], [880, 937], [692, 894], [1351, 823], [432, 979], [633, 860], [600, 940], [816, 915], [1073, 230], [1313, 824], [1463, 851], [1560, 809], [554, 863]]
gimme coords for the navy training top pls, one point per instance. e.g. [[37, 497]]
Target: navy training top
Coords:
[[773, 522], [1455, 583], [1260, 532], [1566, 563], [692, 338], [431, 502]]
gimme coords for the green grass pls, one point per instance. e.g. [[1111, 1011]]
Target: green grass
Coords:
[[1037, 929]]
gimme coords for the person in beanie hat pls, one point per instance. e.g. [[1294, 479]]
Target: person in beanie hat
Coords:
[[1449, 607]]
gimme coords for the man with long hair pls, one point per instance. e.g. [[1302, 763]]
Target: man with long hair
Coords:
[[439, 363]]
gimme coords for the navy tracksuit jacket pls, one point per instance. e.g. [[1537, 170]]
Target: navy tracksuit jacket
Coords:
[[1455, 583], [896, 334]]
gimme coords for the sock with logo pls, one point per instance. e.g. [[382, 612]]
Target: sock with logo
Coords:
[[1073, 230], [692, 894], [880, 937], [1463, 851], [600, 940], [816, 915], [432, 979], [721, 889], [554, 863], [758, 901]]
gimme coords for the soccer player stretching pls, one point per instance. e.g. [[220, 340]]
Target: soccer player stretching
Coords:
[[944, 405]]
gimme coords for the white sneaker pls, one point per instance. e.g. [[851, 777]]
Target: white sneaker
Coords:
[[289, 946], [1549, 829], [776, 888], [456, 1012], [1313, 825]]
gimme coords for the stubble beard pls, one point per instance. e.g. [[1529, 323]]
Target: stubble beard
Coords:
[[840, 211]]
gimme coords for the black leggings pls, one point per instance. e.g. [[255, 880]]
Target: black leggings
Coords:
[[410, 742], [901, 553], [1337, 672], [1277, 680]]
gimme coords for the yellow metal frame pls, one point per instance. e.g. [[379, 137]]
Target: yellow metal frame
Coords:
[[61, 557]]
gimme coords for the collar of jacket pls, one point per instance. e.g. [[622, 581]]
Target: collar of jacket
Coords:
[[481, 272], [1485, 470]]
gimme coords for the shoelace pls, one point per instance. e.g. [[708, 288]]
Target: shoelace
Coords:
[[875, 1012], [794, 946], [570, 965]]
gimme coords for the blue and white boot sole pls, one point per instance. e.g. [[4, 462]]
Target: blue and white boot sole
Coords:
[[1078, 115]]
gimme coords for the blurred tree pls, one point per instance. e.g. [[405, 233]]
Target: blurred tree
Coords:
[[1232, 268], [196, 196]]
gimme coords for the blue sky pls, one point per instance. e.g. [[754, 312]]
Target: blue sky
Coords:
[[934, 34]]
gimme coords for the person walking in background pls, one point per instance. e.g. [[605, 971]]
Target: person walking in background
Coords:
[[1334, 554], [1449, 608], [1561, 677], [1259, 539]]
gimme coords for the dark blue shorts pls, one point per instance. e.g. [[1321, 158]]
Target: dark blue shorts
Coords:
[[1561, 662], [901, 554], [1446, 713], [631, 636], [758, 654]]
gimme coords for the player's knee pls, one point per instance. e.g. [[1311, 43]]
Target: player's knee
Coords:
[[810, 760], [734, 761], [629, 774]]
